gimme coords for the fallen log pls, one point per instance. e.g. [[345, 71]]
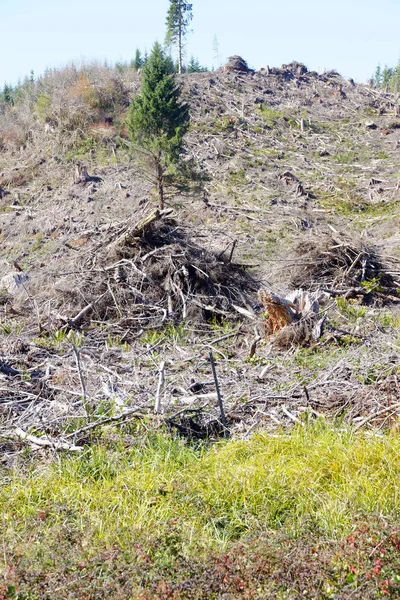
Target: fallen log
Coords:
[[43, 441], [132, 234]]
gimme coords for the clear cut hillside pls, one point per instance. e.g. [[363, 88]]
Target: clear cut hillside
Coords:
[[293, 182]]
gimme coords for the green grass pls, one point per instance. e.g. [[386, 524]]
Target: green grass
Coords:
[[317, 477], [353, 313], [82, 149], [171, 334], [237, 177], [270, 115], [346, 158], [184, 502]]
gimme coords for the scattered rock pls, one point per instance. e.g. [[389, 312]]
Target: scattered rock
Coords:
[[14, 282]]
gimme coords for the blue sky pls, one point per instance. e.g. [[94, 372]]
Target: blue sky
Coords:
[[351, 36]]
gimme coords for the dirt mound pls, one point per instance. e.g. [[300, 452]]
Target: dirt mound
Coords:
[[335, 263], [160, 275]]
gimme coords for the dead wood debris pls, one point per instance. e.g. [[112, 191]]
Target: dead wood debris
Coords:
[[155, 271], [146, 274], [237, 64], [289, 72], [341, 265], [289, 179], [292, 320]]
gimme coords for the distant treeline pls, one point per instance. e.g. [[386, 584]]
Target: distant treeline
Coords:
[[387, 78], [193, 66], [10, 95]]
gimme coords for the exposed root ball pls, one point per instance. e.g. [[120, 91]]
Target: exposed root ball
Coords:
[[292, 320]]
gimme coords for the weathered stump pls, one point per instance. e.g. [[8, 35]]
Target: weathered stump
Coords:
[[291, 320], [80, 174]]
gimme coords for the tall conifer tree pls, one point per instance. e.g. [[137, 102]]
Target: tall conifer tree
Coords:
[[179, 17]]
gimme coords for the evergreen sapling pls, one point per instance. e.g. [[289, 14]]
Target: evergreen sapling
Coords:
[[157, 119]]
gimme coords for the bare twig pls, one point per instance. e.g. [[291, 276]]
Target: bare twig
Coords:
[[114, 419], [160, 388], [39, 441], [82, 381], [220, 403]]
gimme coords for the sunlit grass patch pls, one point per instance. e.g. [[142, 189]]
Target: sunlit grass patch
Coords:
[[163, 502], [317, 477]]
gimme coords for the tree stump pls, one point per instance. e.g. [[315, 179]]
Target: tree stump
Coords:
[[80, 174], [292, 320], [280, 311]]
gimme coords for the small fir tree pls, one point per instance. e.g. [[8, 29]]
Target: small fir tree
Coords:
[[8, 94], [396, 79], [194, 66], [157, 119], [138, 60], [387, 75], [179, 17], [378, 76]]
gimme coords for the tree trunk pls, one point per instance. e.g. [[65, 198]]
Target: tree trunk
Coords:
[[160, 181], [180, 42], [130, 237]]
